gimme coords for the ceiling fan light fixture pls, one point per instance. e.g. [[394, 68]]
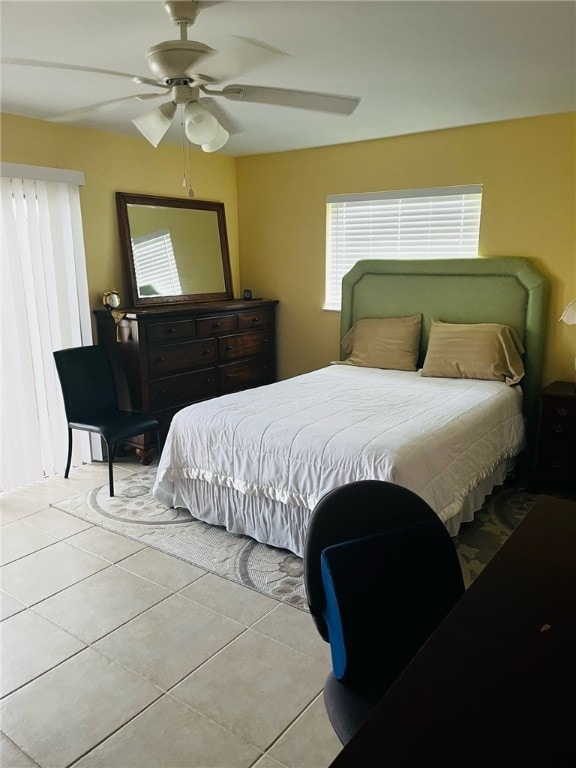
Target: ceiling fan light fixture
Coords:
[[154, 125], [200, 125], [221, 139]]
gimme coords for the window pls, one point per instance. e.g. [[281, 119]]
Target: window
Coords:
[[407, 224], [155, 265]]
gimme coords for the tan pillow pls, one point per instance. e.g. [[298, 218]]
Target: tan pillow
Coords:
[[390, 342], [475, 351]]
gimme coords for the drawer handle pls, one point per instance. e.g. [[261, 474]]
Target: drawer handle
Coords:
[[215, 325], [162, 392], [227, 349], [171, 330], [265, 341], [265, 367], [229, 376], [559, 427], [255, 319], [208, 381], [562, 411], [205, 351], [159, 359]]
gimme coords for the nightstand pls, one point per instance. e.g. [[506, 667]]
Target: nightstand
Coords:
[[555, 463]]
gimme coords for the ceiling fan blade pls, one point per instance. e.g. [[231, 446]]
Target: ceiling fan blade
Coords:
[[321, 102], [154, 125], [77, 68], [243, 55], [78, 114]]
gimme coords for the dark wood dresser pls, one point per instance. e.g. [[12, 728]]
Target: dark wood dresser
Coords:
[[167, 357], [555, 465]]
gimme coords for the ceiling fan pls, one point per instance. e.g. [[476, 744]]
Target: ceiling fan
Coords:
[[187, 69]]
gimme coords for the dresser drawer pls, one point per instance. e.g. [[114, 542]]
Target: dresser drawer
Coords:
[[244, 345], [260, 319], [250, 373], [555, 463], [182, 389], [556, 468], [179, 358], [558, 458], [206, 326], [172, 331]]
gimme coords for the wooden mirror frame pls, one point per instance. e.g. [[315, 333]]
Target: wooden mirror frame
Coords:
[[123, 200]]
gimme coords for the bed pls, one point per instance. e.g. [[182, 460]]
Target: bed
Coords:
[[258, 461]]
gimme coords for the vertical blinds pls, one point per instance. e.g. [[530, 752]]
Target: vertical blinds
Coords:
[[44, 305], [407, 224]]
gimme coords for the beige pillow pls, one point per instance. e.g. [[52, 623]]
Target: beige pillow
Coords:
[[390, 342], [475, 351]]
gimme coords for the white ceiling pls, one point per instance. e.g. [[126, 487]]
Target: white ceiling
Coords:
[[417, 66]]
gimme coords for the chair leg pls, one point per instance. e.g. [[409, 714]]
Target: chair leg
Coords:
[[69, 459], [111, 452], [159, 442]]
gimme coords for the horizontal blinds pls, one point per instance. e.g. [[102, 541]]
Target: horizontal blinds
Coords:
[[155, 265], [412, 224]]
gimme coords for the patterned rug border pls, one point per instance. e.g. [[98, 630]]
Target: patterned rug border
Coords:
[[277, 573], [133, 513]]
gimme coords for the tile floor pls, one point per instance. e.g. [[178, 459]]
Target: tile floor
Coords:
[[117, 655]]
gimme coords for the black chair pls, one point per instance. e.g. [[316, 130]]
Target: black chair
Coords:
[[91, 402], [381, 572]]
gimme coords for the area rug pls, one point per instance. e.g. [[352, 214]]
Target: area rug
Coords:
[[274, 572]]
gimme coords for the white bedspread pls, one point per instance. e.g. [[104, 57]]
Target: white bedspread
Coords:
[[295, 440]]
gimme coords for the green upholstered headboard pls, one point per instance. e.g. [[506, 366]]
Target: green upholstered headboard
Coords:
[[505, 289]]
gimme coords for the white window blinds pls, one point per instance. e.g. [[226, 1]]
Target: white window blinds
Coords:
[[407, 224]]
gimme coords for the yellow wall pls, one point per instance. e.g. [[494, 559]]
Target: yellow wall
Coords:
[[118, 164], [275, 208], [527, 167]]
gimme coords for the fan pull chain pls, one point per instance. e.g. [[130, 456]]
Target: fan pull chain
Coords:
[[190, 190], [186, 182]]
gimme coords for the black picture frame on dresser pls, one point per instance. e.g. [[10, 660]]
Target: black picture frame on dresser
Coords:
[[172, 356]]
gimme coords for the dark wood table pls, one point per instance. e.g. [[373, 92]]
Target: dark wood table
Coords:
[[495, 685]]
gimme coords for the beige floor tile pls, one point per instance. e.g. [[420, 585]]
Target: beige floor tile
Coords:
[[30, 646], [111, 546], [20, 539], [170, 640], [43, 573], [101, 603], [57, 523], [87, 476], [94, 475], [12, 508], [268, 762], [294, 628], [310, 742], [31, 498], [12, 756], [229, 599], [64, 713], [162, 569], [255, 687], [169, 734], [8, 607]]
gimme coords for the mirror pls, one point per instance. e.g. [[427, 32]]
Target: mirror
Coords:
[[175, 250]]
